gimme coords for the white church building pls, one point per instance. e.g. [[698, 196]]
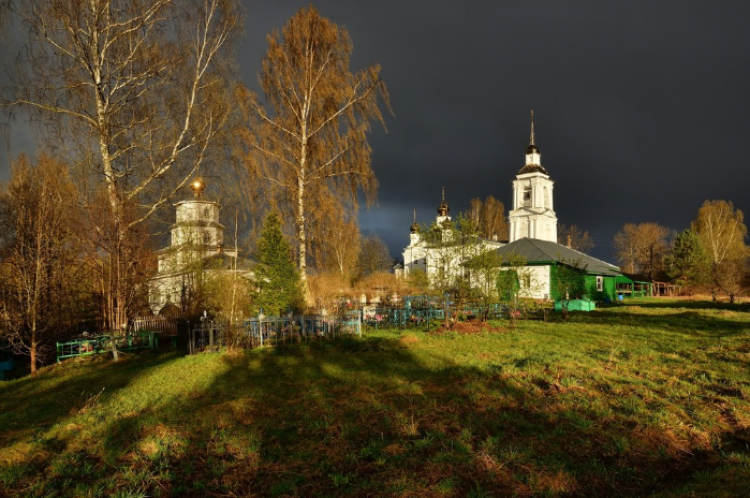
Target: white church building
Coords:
[[532, 235], [532, 216], [196, 252], [434, 258]]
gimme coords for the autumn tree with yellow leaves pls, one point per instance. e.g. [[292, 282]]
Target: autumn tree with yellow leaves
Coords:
[[308, 145]]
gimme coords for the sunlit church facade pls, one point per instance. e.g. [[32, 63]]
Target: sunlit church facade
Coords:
[[196, 254], [532, 235]]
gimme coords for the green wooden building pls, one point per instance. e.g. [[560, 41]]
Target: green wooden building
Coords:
[[554, 271]]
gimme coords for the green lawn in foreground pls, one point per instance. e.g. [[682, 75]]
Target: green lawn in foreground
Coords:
[[625, 401]]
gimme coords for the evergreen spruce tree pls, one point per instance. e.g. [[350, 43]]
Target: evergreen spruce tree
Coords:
[[689, 264], [277, 279]]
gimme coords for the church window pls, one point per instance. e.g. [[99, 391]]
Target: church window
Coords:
[[546, 198], [527, 196], [206, 212], [206, 238]]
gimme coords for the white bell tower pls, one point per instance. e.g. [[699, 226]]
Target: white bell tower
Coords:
[[533, 214]]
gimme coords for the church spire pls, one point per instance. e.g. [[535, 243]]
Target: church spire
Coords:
[[532, 148], [531, 141], [533, 154], [443, 208]]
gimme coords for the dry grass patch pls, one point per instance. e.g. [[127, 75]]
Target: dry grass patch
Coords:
[[408, 340]]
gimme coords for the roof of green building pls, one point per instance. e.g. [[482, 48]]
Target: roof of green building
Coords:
[[542, 251]]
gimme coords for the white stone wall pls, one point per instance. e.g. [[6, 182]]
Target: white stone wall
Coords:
[[431, 259], [192, 217], [208, 236], [195, 236], [414, 257], [537, 220], [196, 209], [164, 291], [535, 282]]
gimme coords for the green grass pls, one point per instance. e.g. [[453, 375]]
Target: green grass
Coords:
[[625, 401]]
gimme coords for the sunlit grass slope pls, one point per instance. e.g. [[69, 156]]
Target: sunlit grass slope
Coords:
[[625, 401]]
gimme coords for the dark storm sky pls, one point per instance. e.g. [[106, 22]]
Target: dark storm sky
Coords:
[[641, 106]]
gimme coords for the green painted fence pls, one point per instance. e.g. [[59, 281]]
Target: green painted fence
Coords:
[[89, 345]]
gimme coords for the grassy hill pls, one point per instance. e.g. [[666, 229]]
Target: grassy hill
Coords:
[[625, 401]]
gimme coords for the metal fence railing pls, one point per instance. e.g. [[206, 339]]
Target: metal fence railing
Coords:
[[211, 335], [96, 344], [409, 317]]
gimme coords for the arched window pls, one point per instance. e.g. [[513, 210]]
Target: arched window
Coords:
[[527, 196], [546, 198], [206, 238], [206, 212]]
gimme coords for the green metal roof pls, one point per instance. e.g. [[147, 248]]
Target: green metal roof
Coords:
[[541, 251]]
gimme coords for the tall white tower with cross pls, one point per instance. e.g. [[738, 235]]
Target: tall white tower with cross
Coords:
[[533, 213]]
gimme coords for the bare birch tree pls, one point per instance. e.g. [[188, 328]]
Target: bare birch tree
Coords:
[[575, 238], [489, 217], [36, 212], [722, 232], [641, 248], [311, 144], [626, 247], [139, 88], [374, 257], [335, 241]]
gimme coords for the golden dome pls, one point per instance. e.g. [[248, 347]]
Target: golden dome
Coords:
[[198, 186]]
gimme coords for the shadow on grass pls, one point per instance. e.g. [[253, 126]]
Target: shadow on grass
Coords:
[[371, 417], [34, 404], [693, 323]]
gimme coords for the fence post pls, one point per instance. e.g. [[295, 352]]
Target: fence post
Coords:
[[191, 339]]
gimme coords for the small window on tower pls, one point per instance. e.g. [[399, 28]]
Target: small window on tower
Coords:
[[206, 212], [527, 197]]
